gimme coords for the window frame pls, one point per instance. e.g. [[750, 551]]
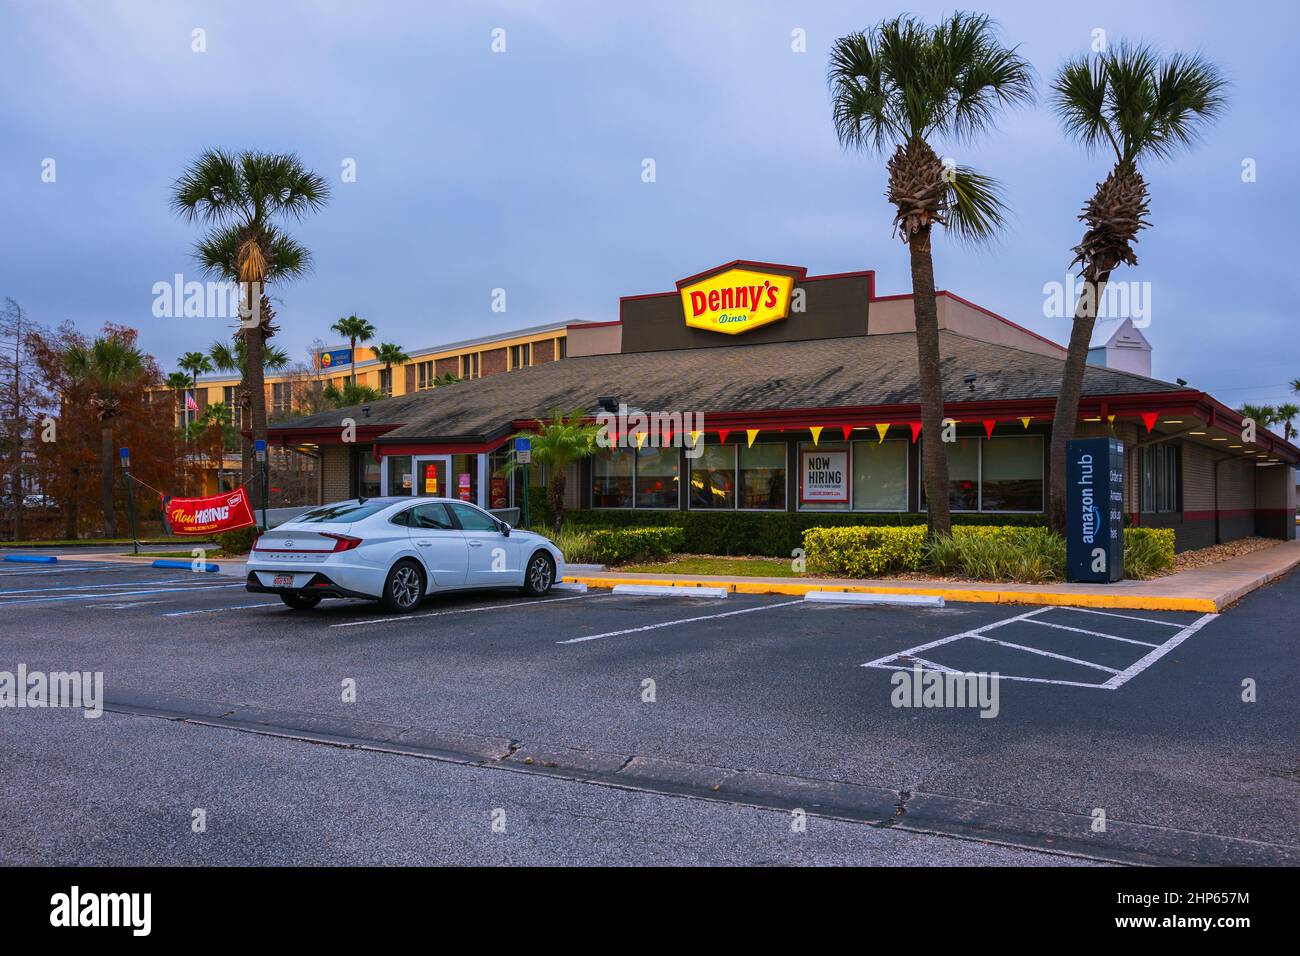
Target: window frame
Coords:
[[979, 509], [736, 470], [634, 476]]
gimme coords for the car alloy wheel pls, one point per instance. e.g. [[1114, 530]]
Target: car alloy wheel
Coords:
[[540, 575], [405, 587]]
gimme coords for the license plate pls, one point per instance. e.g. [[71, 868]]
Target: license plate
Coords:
[[284, 581]]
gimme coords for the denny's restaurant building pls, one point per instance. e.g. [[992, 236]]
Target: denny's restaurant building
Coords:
[[807, 388]]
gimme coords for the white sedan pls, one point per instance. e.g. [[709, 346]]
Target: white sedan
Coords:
[[397, 551]]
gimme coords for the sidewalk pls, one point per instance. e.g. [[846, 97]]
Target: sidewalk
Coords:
[[1204, 589]]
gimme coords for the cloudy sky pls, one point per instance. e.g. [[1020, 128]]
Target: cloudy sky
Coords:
[[522, 170]]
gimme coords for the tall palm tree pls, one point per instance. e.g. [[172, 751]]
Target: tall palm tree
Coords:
[[242, 196], [558, 443], [390, 355], [355, 330], [1138, 105], [898, 86], [1285, 414], [227, 357], [179, 383], [108, 367]]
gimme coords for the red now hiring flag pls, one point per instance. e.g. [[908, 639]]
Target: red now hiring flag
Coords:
[[209, 515]]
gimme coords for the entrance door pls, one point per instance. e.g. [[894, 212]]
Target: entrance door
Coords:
[[432, 472]]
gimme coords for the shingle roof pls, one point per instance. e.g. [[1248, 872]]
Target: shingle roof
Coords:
[[820, 373]]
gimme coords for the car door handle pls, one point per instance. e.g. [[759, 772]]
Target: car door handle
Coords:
[[425, 544], [476, 544]]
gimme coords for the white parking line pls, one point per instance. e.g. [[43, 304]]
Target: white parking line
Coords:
[[111, 594], [91, 587], [73, 570], [1119, 678], [684, 620], [1043, 653], [215, 610], [461, 610], [1137, 667], [1079, 630]]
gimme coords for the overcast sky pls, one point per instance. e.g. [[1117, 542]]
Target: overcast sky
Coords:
[[522, 170]]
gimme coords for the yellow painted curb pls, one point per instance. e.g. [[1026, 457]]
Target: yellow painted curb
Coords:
[[1138, 602]]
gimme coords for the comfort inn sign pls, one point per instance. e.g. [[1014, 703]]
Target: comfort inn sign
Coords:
[[736, 300]]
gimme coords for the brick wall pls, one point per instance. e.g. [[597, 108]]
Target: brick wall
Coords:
[[336, 484], [444, 365], [492, 362], [544, 351]]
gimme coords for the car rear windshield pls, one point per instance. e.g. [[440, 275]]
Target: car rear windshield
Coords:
[[345, 512]]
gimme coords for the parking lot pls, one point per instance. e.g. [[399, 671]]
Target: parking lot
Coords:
[[1139, 713]]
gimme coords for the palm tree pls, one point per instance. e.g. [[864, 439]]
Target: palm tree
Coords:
[[557, 444], [1138, 105], [233, 358], [350, 394], [179, 383], [242, 196], [897, 86], [1285, 413], [390, 355], [106, 368], [354, 330]]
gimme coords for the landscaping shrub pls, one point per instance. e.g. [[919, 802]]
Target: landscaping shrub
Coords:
[[625, 545], [239, 541], [775, 534], [576, 546], [1148, 551], [998, 554], [864, 551]]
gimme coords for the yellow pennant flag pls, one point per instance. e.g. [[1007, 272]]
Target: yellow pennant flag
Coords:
[[1026, 420], [881, 429], [816, 433], [695, 438], [1110, 419], [640, 438], [752, 433]]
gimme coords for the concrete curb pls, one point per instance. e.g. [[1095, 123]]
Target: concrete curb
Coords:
[[32, 558]]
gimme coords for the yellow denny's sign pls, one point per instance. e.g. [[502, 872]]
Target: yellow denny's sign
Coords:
[[737, 300]]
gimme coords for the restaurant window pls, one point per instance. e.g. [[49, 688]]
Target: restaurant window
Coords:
[[762, 477], [1011, 474], [825, 474], [464, 478], [611, 478], [400, 475], [234, 411], [656, 477], [713, 478], [367, 475], [1161, 470], [521, 356], [469, 366], [880, 476], [424, 377], [994, 474]]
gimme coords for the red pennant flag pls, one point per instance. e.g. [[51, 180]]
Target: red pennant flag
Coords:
[[722, 435], [1149, 419], [916, 431], [988, 426], [848, 430]]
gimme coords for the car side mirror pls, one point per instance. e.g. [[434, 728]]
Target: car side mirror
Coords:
[[505, 529]]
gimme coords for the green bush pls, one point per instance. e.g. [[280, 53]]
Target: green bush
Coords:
[[1148, 551], [863, 552], [626, 545], [774, 534], [239, 541], [998, 554], [576, 546]]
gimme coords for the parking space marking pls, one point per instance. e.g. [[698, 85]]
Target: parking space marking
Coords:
[[112, 594], [90, 587], [1137, 667], [1119, 677], [1079, 630], [73, 570], [459, 610], [684, 620], [216, 610], [1127, 617], [1043, 653]]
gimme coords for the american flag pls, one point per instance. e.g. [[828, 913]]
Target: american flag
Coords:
[[190, 404]]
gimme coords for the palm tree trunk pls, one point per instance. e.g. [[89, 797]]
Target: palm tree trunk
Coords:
[[106, 458], [934, 453], [1066, 418], [256, 385], [555, 498], [70, 515]]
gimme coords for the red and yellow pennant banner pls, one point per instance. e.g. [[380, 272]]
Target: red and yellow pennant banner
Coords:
[[209, 515]]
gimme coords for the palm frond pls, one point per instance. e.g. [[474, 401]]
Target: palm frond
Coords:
[[974, 207]]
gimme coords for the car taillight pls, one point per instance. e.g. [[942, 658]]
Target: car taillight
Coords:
[[342, 542], [257, 542]]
